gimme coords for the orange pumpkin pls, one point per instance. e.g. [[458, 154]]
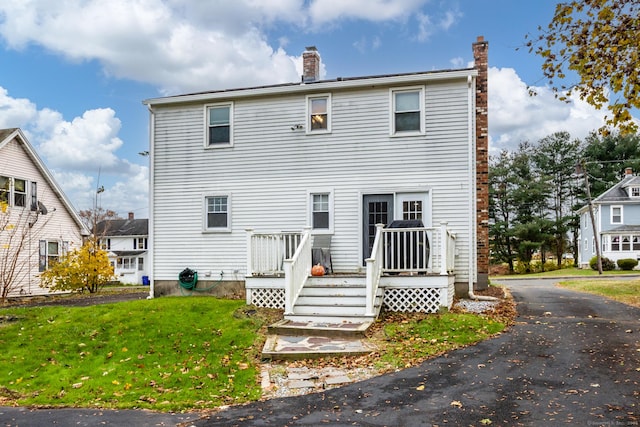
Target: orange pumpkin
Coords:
[[317, 270]]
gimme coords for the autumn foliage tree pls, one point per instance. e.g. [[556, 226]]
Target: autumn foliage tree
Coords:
[[87, 268], [599, 41]]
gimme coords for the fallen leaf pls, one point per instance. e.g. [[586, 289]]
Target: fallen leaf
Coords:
[[456, 403], [485, 421], [420, 388]]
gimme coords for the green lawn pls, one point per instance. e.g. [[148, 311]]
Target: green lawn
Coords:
[[179, 353], [568, 272], [625, 291], [167, 354]]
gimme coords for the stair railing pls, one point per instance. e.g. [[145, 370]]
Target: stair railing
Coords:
[[374, 271], [296, 271]]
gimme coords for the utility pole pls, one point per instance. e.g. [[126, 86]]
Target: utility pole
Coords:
[[583, 167]]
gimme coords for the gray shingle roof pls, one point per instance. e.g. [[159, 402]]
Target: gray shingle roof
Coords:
[[123, 227], [618, 192]]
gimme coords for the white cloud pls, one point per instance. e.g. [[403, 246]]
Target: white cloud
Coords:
[[515, 116]]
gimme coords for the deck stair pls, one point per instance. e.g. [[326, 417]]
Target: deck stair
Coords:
[[328, 319]]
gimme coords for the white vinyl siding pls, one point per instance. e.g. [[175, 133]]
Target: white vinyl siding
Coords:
[[271, 169]]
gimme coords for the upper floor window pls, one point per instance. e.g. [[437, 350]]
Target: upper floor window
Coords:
[[140, 243], [13, 191], [616, 214], [217, 213], [408, 111], [219, 124], [318, 113]]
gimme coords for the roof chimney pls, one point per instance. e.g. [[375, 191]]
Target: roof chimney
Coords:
[[130, 216], [628, 171], [310, 65]]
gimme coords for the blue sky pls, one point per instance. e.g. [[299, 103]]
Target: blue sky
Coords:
[[73, 74]]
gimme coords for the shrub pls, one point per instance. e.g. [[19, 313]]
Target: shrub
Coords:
[[607, 264], [627, 263]]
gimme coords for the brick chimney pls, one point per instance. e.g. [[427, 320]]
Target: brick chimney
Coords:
[[130, 216], [310, 65], [480, 57], [628, 171]]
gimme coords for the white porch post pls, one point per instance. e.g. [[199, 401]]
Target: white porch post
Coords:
[[249, 270], [444, 253]]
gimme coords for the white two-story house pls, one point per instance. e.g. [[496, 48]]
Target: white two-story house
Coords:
[[126, 242], [617, 222], [38, 223], [248, 184]]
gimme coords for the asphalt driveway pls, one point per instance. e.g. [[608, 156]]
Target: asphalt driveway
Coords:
[[571, 359]]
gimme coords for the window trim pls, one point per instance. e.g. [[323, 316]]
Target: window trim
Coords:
[[207, 107], [392, 111], [621, 214], [320, 191], [309, 99], [205, 212]]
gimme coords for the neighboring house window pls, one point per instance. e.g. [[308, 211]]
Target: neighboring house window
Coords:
[[105, 244], [140, 264], [19, 192], [635, 191], [319, 113], [616, 214], [5, 189], [219, 124], [126, 263], [407, 107], [636, 243], [217, 212], [615, 243], [593, 245], [140, 243], [50, 252], [586, 245], [626, 243], [605, 243]]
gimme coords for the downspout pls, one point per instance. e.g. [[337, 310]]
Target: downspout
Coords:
[[150, 262], [472, 196]]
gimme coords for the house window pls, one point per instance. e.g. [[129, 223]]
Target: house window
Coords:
[[615, 243], [636, 243], [50, 252], [19, 192], [605, 243], [586, 245], [626, 243], [5, 189], [126, 263], [593, 245], [635, 191], [140, 243], [412, 209], [320, 213], [217, 212], [318, 113], [616, 214], [140, 264], [407, 107], [219, 124], [105, 244]]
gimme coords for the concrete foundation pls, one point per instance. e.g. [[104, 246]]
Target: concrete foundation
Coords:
[[232, 289]]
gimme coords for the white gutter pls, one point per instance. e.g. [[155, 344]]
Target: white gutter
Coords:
[[473, 236], [150, 262]]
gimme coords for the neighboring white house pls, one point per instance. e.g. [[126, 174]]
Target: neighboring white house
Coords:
[[242, 178], [126, 241], [38, 224], [617, 222]]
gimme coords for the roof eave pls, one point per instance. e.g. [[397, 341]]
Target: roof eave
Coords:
[[325, 85]]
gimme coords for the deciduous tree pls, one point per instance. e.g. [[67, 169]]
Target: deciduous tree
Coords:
[[599, 41]]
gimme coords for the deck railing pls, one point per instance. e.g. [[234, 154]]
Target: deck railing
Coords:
[[374, 269], [266, 252], [418, 250], [296, 271]]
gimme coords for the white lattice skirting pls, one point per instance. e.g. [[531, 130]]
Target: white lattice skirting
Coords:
[[426, 300], [269, 298]]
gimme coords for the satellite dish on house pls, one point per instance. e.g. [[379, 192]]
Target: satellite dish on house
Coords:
[[42, 209]]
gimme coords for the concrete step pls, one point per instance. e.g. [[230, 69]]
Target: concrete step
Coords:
[[332, 329], [334, 291], [284, 347]]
